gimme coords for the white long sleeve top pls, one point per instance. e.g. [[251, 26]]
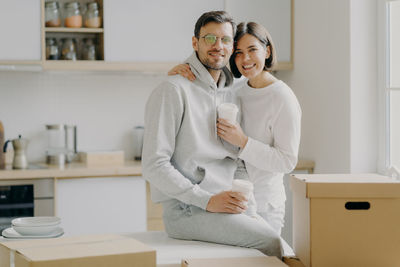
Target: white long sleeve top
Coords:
[[271, 118]]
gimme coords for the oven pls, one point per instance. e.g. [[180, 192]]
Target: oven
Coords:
[[25, 198]]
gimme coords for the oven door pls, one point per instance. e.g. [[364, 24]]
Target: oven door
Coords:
[[15, 201], [25, 198]]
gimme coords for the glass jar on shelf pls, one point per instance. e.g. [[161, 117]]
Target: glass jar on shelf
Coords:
[[92, 16], [73, 17], [89, 49], [52, 51], [68, 51], [52, 14]]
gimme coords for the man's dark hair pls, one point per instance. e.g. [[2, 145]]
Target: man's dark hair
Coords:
[[213, 16]]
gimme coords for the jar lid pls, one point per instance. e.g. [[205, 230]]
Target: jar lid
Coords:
[[92, 5], [54, 126], [50, 41], [72, 5], [51, 5], [89, 41]]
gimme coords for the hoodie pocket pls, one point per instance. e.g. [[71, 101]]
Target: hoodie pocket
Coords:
[[199, 174]]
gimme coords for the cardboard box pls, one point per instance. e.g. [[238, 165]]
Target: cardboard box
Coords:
[[346, 220], [234, 262], [88, 251], [100, 158], [293, 262]]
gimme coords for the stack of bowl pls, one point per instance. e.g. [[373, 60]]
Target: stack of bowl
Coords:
[[36, 226]]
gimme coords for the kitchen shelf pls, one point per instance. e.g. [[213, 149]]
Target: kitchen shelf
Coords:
[[78, 34], [101, 65], [74, 30]]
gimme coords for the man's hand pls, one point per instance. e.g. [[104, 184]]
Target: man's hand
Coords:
[[227, 202]]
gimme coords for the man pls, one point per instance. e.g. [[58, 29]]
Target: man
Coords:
[[189, 168]]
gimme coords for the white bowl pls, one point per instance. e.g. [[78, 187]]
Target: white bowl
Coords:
[[35, 230], [36, 221]]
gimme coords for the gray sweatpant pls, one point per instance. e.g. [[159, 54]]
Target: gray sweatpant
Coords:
[[189, 222]]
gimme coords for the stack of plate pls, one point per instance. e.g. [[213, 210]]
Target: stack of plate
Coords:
[[34, 227]]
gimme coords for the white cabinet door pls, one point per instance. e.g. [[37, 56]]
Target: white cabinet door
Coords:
[[275, 15], [101, 205], [152, 30], [20, 30]]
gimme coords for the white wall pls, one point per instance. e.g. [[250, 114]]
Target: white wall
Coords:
[[364, 84], [321, 81], [335, 80], [104, 106]]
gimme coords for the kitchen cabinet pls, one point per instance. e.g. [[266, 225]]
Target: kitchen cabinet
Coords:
[[137, 35], [101, 204], [20, 31], [154, 213]]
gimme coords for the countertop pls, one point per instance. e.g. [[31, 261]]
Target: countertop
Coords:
[[129, 168], [42, 170]]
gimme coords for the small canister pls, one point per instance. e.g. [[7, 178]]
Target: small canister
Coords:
[[73, 17], [92, 16]]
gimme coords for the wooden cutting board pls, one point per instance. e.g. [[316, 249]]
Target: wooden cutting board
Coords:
[[2, 155]]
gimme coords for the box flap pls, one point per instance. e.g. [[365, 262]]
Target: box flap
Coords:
[[234, 262], [368, 185], [17, 244], [84, 249], [77, 247], [293, 262]]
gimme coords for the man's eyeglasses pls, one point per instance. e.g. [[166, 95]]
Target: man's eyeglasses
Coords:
[[211, 39]]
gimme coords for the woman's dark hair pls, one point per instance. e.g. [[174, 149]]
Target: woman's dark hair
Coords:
[[213, 16], [262, 35]]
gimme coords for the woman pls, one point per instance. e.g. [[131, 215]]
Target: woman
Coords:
[[270, 134]]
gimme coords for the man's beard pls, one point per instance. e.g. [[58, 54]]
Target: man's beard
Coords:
[[213, 66], [210, 65]]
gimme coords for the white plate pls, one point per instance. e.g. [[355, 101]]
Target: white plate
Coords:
[[35, 230], [36, 221], [11, 233]]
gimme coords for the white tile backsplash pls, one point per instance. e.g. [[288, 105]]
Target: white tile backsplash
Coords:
[[104, 105]]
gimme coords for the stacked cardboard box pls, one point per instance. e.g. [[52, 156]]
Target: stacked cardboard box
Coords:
[[346, 220]]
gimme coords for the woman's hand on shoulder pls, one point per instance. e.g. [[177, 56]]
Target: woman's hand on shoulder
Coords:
[[183, 70]]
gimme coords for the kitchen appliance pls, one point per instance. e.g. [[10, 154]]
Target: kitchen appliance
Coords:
[[62, 143], [25, 198], [2, 155], [20, 144], [15, 201], [138, 142]]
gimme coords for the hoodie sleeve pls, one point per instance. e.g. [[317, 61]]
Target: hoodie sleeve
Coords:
[[282, 155], [163, 115]]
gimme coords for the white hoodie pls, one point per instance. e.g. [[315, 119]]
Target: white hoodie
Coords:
[[182, 157]]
